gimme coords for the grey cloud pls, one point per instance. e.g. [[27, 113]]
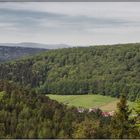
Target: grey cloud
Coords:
[[57, 26], [24, 18]]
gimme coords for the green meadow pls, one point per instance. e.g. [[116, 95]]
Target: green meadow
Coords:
[[105, 103]]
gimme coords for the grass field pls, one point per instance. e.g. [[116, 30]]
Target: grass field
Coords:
[[105, 103]]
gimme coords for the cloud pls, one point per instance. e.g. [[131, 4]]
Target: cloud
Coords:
[[33, 19], [99, 9], [71, 23]]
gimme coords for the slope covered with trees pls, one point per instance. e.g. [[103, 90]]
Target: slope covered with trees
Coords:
[[106, 70], [27, 114], [11, 53]]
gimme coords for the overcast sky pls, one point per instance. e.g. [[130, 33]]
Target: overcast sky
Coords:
[[70, 23]]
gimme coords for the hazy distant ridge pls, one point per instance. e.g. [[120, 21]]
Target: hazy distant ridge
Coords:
[[10, 53], [35, 45]]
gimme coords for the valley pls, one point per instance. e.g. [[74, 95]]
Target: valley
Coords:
[[69, 70], [68, 91]]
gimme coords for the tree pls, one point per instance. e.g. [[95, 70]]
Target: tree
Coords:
[[45, 130], [87, 129], [2, 130], [137, 110], [121, 126]]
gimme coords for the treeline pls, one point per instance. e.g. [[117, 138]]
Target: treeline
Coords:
[[107, 70], [27, 114]]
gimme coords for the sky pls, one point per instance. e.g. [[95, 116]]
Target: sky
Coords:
[[72, 23]]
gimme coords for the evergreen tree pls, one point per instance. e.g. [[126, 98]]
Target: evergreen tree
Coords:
[[121, 125], [2, 130], [87, 129], [137, 110]]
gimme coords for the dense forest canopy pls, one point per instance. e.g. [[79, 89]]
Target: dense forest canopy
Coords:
[[27, 114], [107, 70]]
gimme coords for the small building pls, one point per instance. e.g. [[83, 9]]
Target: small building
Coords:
[[80, 110], [107, 114], [93, 109], [111, 113]]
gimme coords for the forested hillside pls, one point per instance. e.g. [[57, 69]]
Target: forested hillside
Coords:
[[106, 70], [27, 114], [10, 53]]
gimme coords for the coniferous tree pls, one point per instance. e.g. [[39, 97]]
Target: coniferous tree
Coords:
[[121, 125], [137, 110]]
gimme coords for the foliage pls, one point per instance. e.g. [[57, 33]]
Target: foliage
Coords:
[[121, 125], [137, 110], [106, 70], [27, 114]]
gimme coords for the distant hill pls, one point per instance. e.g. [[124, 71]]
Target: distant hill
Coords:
[[35, 45], [106, 70], [10, 53]]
